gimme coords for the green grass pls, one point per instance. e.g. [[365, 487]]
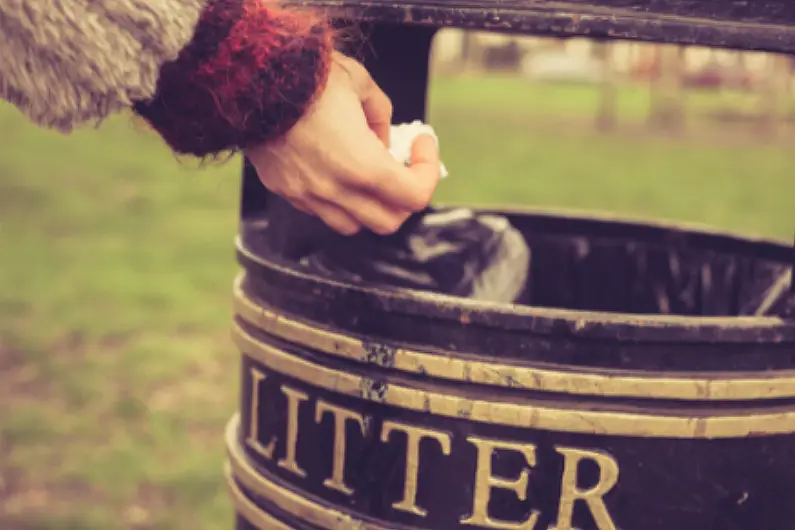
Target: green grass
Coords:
[[535, 144], [116, 374], [512, 94]]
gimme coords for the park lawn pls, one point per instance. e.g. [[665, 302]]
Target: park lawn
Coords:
[[116, 371], [510, 94]]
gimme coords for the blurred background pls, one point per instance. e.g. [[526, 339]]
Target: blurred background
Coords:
[[116, 371]]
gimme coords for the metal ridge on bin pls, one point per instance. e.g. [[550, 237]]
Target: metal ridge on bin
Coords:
[[469, 368]]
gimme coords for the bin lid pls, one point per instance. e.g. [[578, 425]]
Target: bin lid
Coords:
[[765, 25]]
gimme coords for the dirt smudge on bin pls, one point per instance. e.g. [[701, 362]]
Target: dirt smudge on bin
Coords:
[[373, 390], [379, 354]]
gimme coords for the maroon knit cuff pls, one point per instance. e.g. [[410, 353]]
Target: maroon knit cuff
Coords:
[[246, 78]]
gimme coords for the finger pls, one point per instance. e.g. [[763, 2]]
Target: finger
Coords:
[[407, 188], [377, 109], [334, 216], [376, 104], [381, 218], [301, 205]]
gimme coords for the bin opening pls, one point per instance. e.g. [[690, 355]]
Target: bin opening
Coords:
[[561, 261], [652, 277]]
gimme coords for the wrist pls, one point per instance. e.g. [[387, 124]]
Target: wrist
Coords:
[[245, 79]]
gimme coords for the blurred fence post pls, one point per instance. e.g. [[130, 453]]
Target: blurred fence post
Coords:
[[774, 100], [667, 105], [471, 51], [608, 91]]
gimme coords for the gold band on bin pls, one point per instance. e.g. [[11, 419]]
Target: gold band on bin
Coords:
[[250, 511], [323, 516], [754, 386], [522, 415]]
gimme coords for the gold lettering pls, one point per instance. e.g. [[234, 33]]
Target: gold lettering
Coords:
[[570, 493], [253, 441], [485, 482], [414, 436], [294, 399], [341, 416]]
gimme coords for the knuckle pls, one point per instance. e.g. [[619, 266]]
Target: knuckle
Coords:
[[339, 222], [293, 189], [302, 206], [359, 71], [389, 225], [326, 189], [383, 106], [420, 199], [346, 229], [360, 174], [386, 101]]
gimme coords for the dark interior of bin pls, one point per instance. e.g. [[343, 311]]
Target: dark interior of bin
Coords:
[[629, 268], [601, 265]]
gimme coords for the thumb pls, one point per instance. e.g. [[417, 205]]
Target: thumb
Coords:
[[425, 155], [424, 169], [408, 188]]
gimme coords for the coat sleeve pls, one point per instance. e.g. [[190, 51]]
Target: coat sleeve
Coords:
[[209, 75]]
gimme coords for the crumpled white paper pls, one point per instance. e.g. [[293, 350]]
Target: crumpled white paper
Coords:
[[402, 136]]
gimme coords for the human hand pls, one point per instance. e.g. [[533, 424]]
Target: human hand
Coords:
[[334, 163]]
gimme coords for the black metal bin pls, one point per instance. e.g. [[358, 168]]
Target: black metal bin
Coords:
[[389, 409], [655, 401]]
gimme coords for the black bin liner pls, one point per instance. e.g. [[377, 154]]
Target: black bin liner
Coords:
[[454, 251], [502, 258], [643, 277]]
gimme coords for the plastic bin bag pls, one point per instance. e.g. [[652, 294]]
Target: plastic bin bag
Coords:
[[777, 299], [451, 251]]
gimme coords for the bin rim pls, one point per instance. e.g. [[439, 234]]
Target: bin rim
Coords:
[[552, 320], [692, 23], [687, 229]]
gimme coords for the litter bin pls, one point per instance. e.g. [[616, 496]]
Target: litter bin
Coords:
[[388, 409], [636, 389]]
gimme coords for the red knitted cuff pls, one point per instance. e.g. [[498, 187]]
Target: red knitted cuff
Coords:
[[247, 77]]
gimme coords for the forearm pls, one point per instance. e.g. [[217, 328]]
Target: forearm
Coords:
[[209, 75], [66, 62]]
